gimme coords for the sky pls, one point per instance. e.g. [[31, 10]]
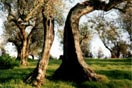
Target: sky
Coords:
[[57, 48]]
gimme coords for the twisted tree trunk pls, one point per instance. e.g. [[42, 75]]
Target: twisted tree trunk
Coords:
[[23, 45], [38, 75], [73, 66]]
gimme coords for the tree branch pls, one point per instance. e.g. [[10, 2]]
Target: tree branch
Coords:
[[35, 10], [98, 5]]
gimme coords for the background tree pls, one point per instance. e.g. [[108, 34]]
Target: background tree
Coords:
[[20, 31], [85, 37], [113, 35], [112, 32], [127, 18]]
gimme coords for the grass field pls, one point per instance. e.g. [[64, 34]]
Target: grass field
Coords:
[[117, 73]]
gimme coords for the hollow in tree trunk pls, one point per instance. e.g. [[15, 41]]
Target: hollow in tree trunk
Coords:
[[37, 77]]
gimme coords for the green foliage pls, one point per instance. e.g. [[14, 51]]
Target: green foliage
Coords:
[[7, 62]]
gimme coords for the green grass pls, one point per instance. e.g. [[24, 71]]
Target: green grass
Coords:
[[117, 74]]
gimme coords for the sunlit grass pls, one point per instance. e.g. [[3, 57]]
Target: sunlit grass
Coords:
[[116, 73]]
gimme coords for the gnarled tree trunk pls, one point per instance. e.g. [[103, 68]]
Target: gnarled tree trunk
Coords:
[[25, 39], [37, 76], [24, 47], [23, 50], [73, 66]]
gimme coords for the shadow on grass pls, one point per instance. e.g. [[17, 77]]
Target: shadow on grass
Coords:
[[117, 83], [111, 84], [117, 79], [116, 74], [14, 74]]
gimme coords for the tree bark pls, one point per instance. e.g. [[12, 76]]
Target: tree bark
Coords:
[[38, 75], [25, 39], [24, 53], [73, 66]]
